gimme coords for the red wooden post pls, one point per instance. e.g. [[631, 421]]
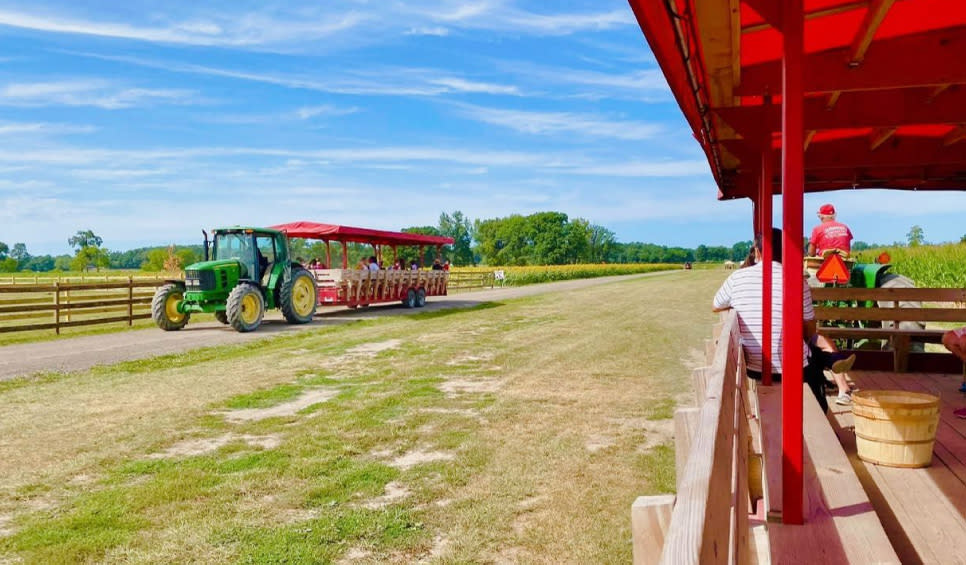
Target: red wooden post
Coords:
[[345, 255], [766, 221], [328, 255], [793, 154]]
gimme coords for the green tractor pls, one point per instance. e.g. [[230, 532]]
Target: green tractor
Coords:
[[250, 270]]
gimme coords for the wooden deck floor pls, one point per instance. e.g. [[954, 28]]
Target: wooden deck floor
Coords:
[[922, 510]]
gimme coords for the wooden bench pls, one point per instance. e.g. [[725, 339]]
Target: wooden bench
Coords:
[[892, 305], [726, 459]]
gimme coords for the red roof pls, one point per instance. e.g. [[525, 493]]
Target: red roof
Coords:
[[885, 84], [331, 232]]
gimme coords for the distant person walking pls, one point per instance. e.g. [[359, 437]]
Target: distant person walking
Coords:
[[829, 234]]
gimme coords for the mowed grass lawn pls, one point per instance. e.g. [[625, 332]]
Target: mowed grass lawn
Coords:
[[513, 432]]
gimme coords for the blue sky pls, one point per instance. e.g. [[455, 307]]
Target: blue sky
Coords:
[[149, 121]]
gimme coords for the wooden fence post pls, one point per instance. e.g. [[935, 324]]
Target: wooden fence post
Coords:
[[57, 307], [685, 425], [130, 301], [650, 518]]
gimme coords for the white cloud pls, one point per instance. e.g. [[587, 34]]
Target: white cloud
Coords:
[[307, 112], [90, 92], [462, 85], [675, 168], [556, 123], [42, 128], [243, 30], [437, 31]]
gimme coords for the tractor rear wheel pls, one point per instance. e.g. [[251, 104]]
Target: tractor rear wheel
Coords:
[[298, 296], [164, 308], [221, 316], [410, 301], [420, 298], [245, 307]]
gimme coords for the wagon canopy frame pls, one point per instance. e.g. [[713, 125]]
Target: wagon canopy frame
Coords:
[[884, 89]]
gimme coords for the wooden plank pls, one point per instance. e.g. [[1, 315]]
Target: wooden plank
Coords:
[[891, 314], [770, 402], [685, 426], [742, 499], [699, 377], [890, 294], [841, 525], [700, 524], [650, 518], [884, 333]]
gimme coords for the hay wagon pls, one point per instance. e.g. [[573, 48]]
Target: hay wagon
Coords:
[[345, 286]]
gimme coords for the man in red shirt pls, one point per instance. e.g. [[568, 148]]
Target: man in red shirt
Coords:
[[829, 234]]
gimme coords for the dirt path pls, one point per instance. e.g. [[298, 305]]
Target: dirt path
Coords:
[[78, 354]]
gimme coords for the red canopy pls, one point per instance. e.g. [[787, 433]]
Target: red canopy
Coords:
[[331, 232], [885, 88]]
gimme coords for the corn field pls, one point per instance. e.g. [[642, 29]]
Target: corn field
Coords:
[[518, 276], [934, 266]]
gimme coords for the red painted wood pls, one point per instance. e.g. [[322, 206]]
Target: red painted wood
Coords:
[[766, 222], [793, 153], [932, 58]]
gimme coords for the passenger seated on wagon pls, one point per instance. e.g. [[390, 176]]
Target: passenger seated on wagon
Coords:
[[373, 264], [437, 266], [742, 291], [829, 234]]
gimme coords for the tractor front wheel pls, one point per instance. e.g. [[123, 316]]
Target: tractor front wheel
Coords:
[[164, 308], [298, 297], [245, 307]]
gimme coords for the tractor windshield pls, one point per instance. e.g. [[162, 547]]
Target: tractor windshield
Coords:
[[237, 246]]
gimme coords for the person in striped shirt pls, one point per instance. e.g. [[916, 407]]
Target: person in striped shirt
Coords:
[[742, 291]]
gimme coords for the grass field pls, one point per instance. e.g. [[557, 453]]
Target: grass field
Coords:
[[511, 432]]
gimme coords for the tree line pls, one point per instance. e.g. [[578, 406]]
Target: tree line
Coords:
[[542, 238]]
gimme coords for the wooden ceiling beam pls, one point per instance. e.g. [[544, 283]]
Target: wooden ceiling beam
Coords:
[[955, 136], [880, 136], [870, 24], [927, 59], [882, 109], [936, 92], [810, 15]]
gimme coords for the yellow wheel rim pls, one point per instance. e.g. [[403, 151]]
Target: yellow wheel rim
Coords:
[[249, 309], [303, 297], [171, 307]]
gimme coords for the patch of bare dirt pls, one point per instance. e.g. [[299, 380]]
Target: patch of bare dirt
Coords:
[[695, 358], [468, 412], [201, 446], [291, 408], [354, 554], [470, 359], [395, 491], [656, 432], [371, 349], [440, 545], [420, 456], [5, 528], [596, 442], [456, 387]]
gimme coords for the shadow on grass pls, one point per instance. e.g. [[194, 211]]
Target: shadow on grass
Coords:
[[443, 312]]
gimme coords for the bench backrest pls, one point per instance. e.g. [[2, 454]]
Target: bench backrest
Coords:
[[947, 304]]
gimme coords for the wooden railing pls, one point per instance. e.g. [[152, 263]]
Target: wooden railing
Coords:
[[56, 305], [707, 521]]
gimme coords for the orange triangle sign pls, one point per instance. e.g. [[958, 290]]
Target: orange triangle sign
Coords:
[[833, 270]]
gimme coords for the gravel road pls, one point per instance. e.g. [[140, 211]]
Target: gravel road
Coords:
[[81, 353]]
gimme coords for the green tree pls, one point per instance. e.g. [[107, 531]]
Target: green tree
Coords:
[[547, 232], [600, 244], [84, 238], [88, 257], [62, 262], [458, 227], [3, 250], [19, 252], [916, 237]]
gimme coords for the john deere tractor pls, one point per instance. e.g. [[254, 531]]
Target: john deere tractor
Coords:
[[247, 271]]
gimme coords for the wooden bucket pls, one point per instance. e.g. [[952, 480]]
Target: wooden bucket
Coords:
[[896, 428]]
